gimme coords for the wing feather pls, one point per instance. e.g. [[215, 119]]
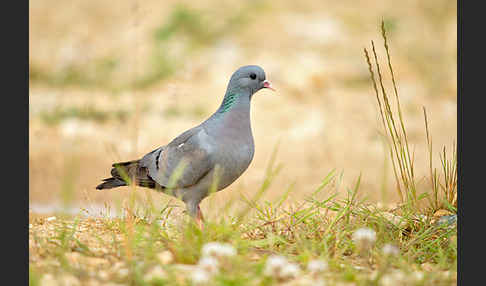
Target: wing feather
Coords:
[[187, 158]]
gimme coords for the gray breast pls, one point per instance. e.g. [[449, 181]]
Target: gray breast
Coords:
[[233, 160]]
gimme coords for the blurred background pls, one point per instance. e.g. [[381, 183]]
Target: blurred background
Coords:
[[111, 81]]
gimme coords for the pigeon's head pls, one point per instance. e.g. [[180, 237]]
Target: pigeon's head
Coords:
[[249, 78]]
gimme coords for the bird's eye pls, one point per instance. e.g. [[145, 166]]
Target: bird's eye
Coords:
[[253, 76]]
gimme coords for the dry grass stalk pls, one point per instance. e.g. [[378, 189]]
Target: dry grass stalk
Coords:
[[398, 144], [396, 138]]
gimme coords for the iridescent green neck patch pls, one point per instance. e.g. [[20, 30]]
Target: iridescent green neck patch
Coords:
[[228, 102]]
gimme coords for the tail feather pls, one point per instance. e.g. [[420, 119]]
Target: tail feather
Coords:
[[110, 183], [124, 173]]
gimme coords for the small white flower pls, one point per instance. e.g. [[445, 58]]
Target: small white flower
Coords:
[[217, 250], [317, 266], [51, 218], [390, 250], [123, 272], [200, 276], [279, 268], [154, 273], [209, 264], [422, 217], [393, 278], [48, 279], [364, 234], [165, 257], [418, 276], [274, 265], [364, 238], [290, 270]]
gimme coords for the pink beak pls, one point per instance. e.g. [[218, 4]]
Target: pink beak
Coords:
[[267, 84]]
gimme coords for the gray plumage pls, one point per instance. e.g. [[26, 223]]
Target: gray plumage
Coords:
[[214, 153]]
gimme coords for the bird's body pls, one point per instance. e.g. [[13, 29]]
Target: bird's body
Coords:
[[209, 156]]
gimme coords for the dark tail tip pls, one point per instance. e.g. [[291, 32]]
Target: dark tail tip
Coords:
[[110, 183]]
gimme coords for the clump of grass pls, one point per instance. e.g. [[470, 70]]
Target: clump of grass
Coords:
[[318, 229], [401, 157], [95, 73], [185, 21], [196, 30], [58, 115], [448, 187]]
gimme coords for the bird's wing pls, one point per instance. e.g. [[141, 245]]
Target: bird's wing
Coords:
[[187, 158]]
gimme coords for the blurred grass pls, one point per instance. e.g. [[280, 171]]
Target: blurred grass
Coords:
[[310, 51], [192, 27], [59, 114], [96, 73]]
